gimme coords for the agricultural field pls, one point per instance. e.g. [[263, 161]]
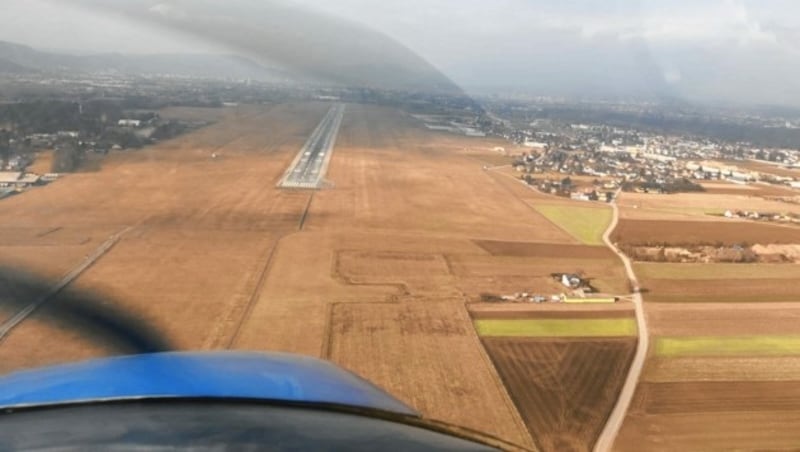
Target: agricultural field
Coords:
[[544, 250], [695, 271], [680, 233], [566, 327], [373, 273], [721, 370], [766, 345], [587, 224], [563, 367], [479, 274], [738, 382], [199, 114], [705, 207], [401, 346], [716, 414], [718, 282], [191, 260]]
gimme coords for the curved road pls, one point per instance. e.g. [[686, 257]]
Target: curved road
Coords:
[[606, 439]]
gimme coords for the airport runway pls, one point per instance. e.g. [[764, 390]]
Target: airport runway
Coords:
[[309, 167]]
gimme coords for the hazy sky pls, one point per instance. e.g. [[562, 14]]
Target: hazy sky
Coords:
[[736, 50]]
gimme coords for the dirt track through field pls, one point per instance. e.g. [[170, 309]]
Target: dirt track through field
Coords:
[[614, 423]]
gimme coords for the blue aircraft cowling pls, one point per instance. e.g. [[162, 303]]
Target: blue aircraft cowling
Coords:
[[272, 377]]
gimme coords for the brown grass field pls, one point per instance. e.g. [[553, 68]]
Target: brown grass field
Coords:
[[378, 272], [510, 274], [722, 368], [712, 431], [43, 163], [375, 277], [400, 345], [544, 250], [720, 396], [719, 415], [711, 319], [564, 389], [718, 198], [719, 282], [720, 290]]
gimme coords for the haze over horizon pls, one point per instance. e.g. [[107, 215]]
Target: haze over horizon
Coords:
[[738, 51]]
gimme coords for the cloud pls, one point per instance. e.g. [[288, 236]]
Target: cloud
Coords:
[[568, 46], [167, 10], [672, 76]]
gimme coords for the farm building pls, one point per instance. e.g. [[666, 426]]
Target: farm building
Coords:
[[571, 281], [17, 179], [129, 123]]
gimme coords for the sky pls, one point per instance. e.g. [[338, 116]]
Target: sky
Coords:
[[699, 50]]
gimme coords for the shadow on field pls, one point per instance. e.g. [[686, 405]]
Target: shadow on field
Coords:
[[96, 319]]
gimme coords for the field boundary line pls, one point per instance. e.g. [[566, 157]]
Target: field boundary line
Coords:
[[248, 309], [8, 326], [337, 274], [305, 212], [614, 423], [327, 333]]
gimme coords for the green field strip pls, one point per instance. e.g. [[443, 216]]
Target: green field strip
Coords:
[[587, 224], [727, 346], [556, 327]]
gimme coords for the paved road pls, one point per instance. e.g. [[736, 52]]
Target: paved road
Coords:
[[309, 167], [606, 439]]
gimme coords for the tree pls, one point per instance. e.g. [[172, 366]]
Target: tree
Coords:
[[5, 149], [66, 158]]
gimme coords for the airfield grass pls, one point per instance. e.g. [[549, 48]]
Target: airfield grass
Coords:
[[556, 327], [586, 224], [767, 345]]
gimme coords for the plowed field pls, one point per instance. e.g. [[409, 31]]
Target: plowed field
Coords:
[[679, 233], [564, 389]]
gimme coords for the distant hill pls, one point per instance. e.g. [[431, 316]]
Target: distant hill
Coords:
[[17, 58], [9, 67]]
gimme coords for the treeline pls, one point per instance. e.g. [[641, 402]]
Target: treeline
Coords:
[[720, 254], [67, 158], [681, 185]]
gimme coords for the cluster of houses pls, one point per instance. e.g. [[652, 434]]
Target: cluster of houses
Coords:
[[578, 286], [712, 171], [17, 163], [632, 159]]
